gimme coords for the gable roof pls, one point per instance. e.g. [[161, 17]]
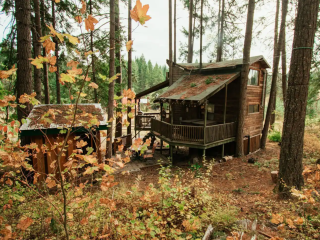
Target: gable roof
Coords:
[[224, 64], [197, 87], [60, 115]]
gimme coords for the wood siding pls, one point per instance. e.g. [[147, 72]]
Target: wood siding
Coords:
[[254, 121]]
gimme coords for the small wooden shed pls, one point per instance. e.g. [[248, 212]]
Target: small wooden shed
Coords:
[[47, 124]]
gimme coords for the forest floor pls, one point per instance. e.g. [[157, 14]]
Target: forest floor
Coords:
[[249, 187]]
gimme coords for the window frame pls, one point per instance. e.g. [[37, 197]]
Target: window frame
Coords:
[[255, 104], [258, 74]]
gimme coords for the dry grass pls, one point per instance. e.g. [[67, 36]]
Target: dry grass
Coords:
[[311, 144]]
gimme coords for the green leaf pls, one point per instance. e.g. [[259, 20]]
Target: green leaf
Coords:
[[89, 150], [23, 120], [103, 77]]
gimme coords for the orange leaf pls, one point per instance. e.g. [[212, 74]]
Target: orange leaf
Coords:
[[89, 23], [52, 59], [84, 7], [24, 223], [72, 64], [139, 13], [49, 45], [84, 221], [277, 218], [78, 19], [93, 85], [299, 221], [12, 123], [6, 74], [5, 129], [129, 45], [53, 69]]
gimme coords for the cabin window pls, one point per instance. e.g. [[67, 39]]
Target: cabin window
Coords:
[[253, 78], [254, 108]]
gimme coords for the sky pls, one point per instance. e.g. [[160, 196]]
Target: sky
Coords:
[[152, 39]]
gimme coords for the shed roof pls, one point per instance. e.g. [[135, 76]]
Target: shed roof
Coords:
[[224, 64], [60, 116], [197, 87]]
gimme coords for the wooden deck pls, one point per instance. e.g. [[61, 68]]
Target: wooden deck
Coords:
[[194, 136], [143, 122]]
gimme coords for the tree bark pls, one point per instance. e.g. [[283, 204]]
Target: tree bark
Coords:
[[118, 68], [291, 154], [220, 35], [129, 63], [274, 77], [244, 78], [56, 53], [45, 65], [275, 43], [201, 20], [95, 91], [24, 72], [170, 42], [37, 48], [111, 74], [190, 53], [175, 31], [284, 64]]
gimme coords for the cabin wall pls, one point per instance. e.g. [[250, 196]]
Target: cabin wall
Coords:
[[180, 111], [177, 73], [254, 121]]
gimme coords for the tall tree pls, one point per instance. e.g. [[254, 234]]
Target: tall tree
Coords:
[[244, 77], [37, 33], [275, 72], [275, 43], [284, 60], [170, 42], [290, 165], [111, 74], [221, 32], [24, 78], [129, 63], [45, 65], [118, 66], [190, 35], [93, 59], [56, 53], [175, 32]]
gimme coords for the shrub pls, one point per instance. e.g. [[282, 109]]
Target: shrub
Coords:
[[193, 85], [275, 136]]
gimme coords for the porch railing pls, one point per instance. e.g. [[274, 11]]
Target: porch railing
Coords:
[[185, 133]]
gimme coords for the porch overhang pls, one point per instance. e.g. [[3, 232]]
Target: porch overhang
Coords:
[[153, 89]]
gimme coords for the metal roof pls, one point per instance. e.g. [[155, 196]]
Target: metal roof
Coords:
[[197, 87], [32, 119], [224, 64]]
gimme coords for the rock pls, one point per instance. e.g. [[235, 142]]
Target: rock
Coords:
[[208, 233], [227, 158], [252, 160], [195, 160]]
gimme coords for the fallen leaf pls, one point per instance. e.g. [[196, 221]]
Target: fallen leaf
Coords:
[[50, 183], [24, 223], [299, 221], [277, 218]]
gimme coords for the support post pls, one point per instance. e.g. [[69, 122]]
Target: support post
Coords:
[[205, 121], [171, 154], [225, 112]]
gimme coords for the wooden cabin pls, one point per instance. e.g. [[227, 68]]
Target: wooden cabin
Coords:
[[46, 126], [203, 105]]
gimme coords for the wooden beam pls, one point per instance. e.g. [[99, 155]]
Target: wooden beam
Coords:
[[225, 103]]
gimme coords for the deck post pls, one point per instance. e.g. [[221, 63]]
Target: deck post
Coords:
[[205, 121], [161, 119], [225, 113], [171, 154]]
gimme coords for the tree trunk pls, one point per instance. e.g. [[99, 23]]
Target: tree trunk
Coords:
[[111, 74], [220, 35], [201, 20], [95, 91], [118, 68], [219, 20], [275, 43], [274, 77], [244, 78], [290, 166], [24, 78], [284, 64], [45, 65], [129, 64], [190, 32], [175, 31], [56, 40], [37, 48], [170, 42]]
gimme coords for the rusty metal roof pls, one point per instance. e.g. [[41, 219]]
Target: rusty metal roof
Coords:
[[197, 87], [224, 64], [62, 112]]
